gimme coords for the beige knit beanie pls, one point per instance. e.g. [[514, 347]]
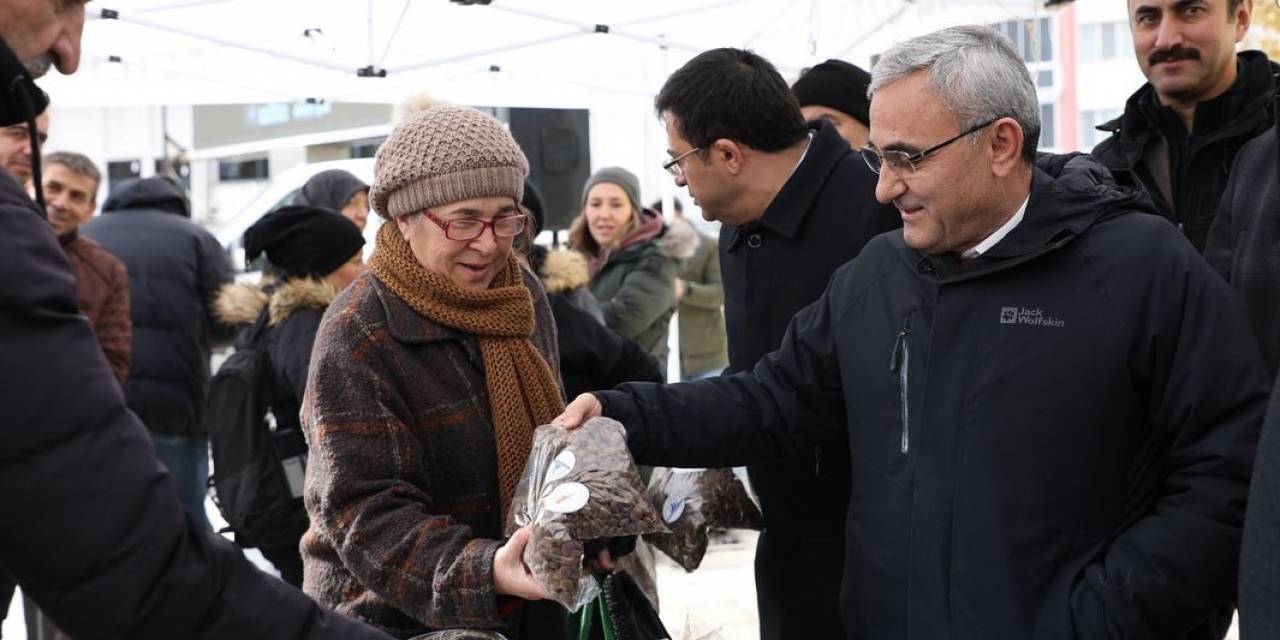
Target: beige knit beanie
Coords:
[[445, 154]]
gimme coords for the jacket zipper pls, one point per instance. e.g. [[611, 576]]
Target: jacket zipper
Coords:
[[900, 363]]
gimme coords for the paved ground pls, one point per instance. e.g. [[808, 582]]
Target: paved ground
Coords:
[[719, 598]]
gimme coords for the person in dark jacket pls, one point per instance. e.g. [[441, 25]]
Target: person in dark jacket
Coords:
[[140, 568], [446, 349], [1245, 235], [795, 203], [1260, 548], [1180, 132], [337, 190], [836, 91], [175, 271], [102, 285], [316, 254], [592, 356], [1053, 425]]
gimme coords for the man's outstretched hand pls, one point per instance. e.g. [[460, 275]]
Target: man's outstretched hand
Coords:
[[582, 409]]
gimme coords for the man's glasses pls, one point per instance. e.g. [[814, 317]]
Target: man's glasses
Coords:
[[901, 160], [469, 228], [673, 165]]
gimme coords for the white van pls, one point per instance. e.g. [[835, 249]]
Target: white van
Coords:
[[284, 188]]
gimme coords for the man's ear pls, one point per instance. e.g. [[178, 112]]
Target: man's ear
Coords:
[[729, 153], [1005, 146]]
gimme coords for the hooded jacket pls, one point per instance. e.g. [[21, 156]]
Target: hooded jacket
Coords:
[[703, 345], [1053, 441], [294, 310], [175, 270], [636, 285], [74, 454], [102, 293], [1199, 163]]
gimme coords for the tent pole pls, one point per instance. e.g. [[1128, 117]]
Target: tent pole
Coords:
[[414, 66], [591, 27], [143, 22], [372, 61]]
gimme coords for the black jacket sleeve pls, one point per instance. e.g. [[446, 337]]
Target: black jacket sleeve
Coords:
[[93, 529], [793, 397], [1194, 357], [291, 355], [215, 273], [593, 356]]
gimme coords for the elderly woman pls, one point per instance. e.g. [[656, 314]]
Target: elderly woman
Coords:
[[633, 257], [429, 375]]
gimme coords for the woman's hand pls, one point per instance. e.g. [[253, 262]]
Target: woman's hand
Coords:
[[511, 576]]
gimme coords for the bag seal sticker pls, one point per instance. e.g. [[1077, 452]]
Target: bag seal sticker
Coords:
[[672, 509], [567, 498], [562, 465]]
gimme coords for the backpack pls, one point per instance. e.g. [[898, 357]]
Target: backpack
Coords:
[[257, 470]]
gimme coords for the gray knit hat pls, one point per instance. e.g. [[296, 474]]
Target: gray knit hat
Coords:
[[445, 154], [619, 176]]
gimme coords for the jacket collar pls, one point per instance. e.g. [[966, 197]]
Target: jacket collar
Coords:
[[789, 209], [1069, 194], [404, 323], [1235, 111]]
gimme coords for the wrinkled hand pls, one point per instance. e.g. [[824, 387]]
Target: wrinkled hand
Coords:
[[582, 409], [511, 576]]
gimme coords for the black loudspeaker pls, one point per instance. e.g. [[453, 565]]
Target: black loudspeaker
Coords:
[[558, 145]]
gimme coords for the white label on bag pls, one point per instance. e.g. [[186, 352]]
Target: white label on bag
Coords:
[[561, 466], [567, 498], [672, 509], [680, 470]]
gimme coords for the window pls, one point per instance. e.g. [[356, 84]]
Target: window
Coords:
[[252, 168], [1105, 41], [1044, 78], [120, 170], [1032, 38], [1047, 125], [366, 148]]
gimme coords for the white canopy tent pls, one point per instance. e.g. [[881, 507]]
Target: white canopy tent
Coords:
[[570, 53]]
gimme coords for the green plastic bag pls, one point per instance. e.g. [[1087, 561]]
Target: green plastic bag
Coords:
[[620, 612]]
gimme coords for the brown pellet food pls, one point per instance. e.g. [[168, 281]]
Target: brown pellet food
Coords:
[[691, 502], [578, 486]]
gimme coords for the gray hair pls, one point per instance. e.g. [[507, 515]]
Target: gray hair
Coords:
[[977, 74], [78, 164]]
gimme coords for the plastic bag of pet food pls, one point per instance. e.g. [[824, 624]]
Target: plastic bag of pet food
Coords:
[[580, 490], [691, 502]]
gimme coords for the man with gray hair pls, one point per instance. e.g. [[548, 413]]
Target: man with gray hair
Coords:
[[1050, 400]]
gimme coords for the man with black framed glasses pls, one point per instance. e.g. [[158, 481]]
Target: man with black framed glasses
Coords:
[[796, 203], [1050, 400]]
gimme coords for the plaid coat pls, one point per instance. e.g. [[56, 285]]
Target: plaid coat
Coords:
[[402, 481]]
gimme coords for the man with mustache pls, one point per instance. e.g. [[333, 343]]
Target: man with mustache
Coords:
[[1202, 102], [93, 531]]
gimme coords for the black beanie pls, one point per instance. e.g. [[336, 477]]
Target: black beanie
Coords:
[[838, 85], [303, 241], [531, 202]]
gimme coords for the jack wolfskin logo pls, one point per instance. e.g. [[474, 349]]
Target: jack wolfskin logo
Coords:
[[1030, 317]]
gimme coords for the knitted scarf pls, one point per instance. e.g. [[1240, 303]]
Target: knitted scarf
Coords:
[[522, 388]]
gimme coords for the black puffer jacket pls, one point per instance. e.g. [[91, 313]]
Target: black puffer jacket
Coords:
[[1198, 163], [92, 528], [1053, 442], [175, 270]]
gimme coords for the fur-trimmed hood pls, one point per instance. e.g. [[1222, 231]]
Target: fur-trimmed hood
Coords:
[[239, 304], [679, 240], [564, 271]]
